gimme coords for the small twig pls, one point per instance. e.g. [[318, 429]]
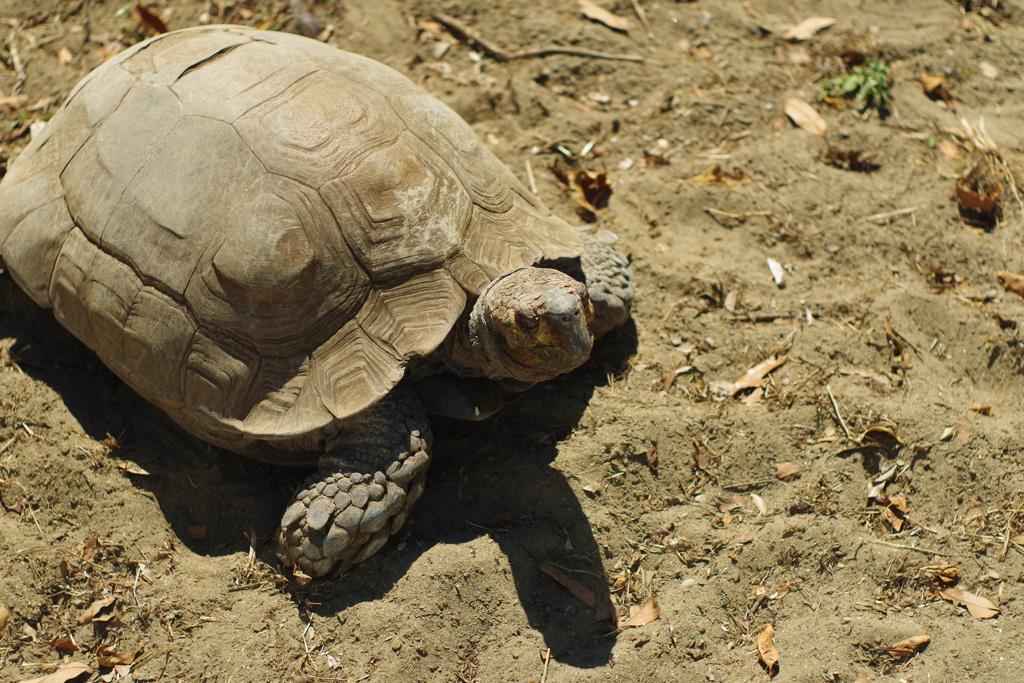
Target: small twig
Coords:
[[642, 16], [745, 484], [835, 406], [1006, 544], [890, 214], [529, 176], [926, 551], [547, 660], [737, 216], [468, 36], [19, 68]]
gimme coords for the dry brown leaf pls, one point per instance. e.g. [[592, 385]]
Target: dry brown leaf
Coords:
[[105, 655], [714, 175], [937, 88], [754, 377], [1018, 539], [947, 574], [579, 591], [151, 23], [766, 651], [979, 607], [905, 648], [68, 672], [89, 548], [603, 16], [5, 616], [806, 29], [593, 190], [1011, 282], [95, 608], [645, 615], [972, 200], [894, 521], [64, 645], [805, 116], [983, 408], [787, 471]]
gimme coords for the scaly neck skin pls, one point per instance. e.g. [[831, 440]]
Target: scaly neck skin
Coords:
[[467, 353]]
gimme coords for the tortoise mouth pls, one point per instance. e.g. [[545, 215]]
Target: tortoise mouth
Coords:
[[540, 322]]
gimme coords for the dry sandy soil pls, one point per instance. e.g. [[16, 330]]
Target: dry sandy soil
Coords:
[[638, 475]]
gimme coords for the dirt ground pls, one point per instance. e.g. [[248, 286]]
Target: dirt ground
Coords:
[[649, 473]]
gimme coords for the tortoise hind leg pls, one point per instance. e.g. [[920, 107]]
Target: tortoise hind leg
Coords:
[[368, 480]]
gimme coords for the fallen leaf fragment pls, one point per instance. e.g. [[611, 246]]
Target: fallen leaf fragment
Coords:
[[105, 655], [64, 56], [806, 29], [937, 88], [947, 574], [805, 116], [94, 610], [592, 190], [68, 672], [850, 160], [754, 377], [714, 175], [979, 607], [645, 615], [905, 648], [132, 468], [766, 651], [151, 23], [65, 645], [579, 591], [603, 16], [983, 408], [759, 502], [90, 546], [1011, 282], [787, 471]]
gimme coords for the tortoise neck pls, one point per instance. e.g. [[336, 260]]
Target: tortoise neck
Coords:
[[469, 350]]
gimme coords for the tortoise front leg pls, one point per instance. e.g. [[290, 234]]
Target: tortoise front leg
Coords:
[[609, 282], [368, 480]]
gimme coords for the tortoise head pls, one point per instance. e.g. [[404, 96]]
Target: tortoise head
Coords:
[[535, 323]]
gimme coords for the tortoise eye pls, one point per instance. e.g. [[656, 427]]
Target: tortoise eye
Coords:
[[527, 320]]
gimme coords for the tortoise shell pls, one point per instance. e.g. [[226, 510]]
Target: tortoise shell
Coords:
[[258, 232]]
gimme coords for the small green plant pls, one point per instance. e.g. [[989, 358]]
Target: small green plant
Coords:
[[867, 85]]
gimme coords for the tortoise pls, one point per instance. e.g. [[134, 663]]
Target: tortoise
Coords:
[[296, 254]]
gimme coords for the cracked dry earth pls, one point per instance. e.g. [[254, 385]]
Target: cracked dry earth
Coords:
[[895, 412]]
